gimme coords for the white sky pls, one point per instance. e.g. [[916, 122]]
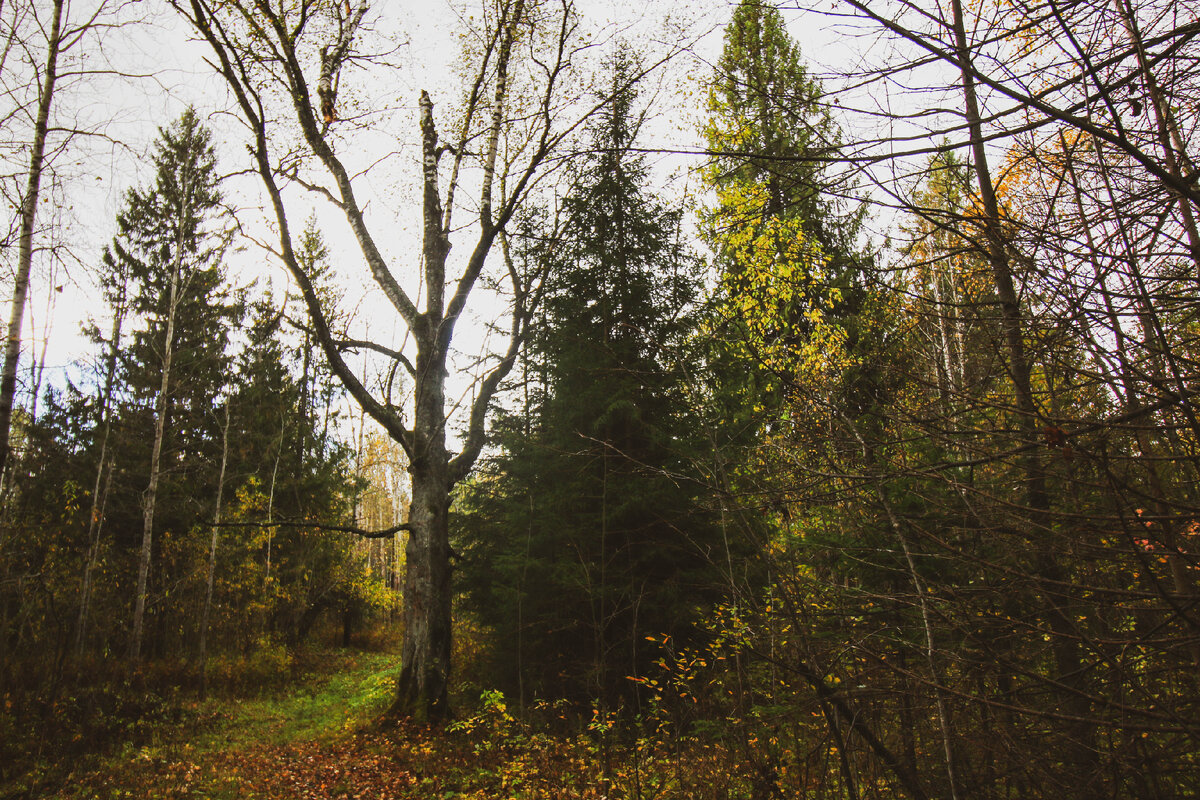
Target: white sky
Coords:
[[129, 110]]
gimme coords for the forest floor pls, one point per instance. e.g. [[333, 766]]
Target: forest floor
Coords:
[[322, 737], [304, 739]]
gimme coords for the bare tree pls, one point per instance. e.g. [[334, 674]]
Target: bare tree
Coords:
[[46, 49], [118, 296], [285, 60]]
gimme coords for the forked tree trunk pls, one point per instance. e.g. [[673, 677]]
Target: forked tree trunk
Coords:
[[422, 690]]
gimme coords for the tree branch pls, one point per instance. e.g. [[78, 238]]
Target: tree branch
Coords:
[[354, 529]]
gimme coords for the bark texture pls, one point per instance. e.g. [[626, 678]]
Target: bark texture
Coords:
[[292, 44]]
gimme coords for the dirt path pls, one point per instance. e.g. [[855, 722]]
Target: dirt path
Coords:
[[307, 743], [324, 739]]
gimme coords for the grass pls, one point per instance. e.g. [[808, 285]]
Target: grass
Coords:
[[321, 736], [195, 750], [358, 690]]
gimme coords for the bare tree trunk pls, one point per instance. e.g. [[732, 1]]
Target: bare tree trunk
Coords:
[[95, 526], [422, 690], [307, 400], [37, 369], [29, 201], [271, 518], [930, 650], [1158, 349], [161, 409], [1065, 644], [1173, 147], [99, 492], [212, 556]]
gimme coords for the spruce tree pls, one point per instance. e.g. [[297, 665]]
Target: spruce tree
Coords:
[[583, 537], [170, 241], [775, 141], [259, 419], [284, 470], [792, 269]]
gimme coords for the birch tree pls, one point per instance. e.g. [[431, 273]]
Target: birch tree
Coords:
[[46, 79], [47, 50]]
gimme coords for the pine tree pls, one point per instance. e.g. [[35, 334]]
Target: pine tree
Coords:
[[602, 542]]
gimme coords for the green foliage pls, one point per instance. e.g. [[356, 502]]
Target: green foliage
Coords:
[[66, 608], [587, 532], [775, 142], [116, 742], [298, 745], [914, 586], [266, 663], [844, 533], [792, 330]]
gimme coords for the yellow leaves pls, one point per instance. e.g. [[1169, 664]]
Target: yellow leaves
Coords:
[[776, 288]]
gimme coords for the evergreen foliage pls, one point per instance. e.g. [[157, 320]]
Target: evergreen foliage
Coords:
[[586, 534], [839, 532], [792, 300], [89, 452], [771, 129], [176, 225]]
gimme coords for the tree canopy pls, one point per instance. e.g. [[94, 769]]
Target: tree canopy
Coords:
[[847, 450]]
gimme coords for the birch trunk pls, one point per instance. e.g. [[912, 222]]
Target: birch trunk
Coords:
[[161, 409], [99, 491], [29, 201], [212, 556]]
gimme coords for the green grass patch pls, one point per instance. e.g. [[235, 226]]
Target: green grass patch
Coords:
[[359, 690], [336, 693]]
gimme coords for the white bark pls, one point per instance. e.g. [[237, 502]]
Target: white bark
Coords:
[[161, 411], [29, 203], [104, 467], [212, 554]]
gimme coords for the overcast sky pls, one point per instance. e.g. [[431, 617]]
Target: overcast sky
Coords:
[[173, 75]]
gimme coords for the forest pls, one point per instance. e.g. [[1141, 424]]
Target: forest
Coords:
[[554, 398]]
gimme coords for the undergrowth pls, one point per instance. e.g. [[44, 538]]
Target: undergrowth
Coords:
[[321, 733], [157, 716]]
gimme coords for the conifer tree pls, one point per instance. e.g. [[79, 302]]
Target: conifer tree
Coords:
[[170, 241], [288, 476], [800, 349], [602, 542], [771, 131], [786, 241]]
